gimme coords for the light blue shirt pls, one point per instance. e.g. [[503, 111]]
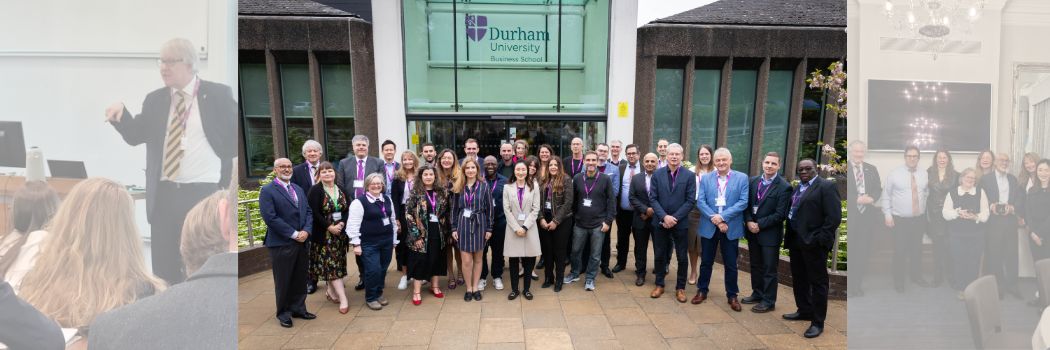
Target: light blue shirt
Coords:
[[625, 188], [896, 193], [613, 171]]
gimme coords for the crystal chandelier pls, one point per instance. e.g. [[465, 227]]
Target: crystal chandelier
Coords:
[[933, 21], [926, 92]]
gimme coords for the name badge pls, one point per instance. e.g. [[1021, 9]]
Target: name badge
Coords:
[[547, 205], [467, 212], [337, 216], [493, 202], [521, 217], [386, 221], [359, 183], [754, 210], [587, 202], [720, 201], [433, 218], [790, 215]]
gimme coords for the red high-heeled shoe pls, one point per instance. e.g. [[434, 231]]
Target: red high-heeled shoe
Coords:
[[416, 299], [437, 293]]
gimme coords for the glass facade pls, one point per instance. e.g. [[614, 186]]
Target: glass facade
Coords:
[[778, 113], [258, 130], [493, 56], [704, 124], [667, 118], [298, 109], [491, 133], [741, 117], [336, 84]]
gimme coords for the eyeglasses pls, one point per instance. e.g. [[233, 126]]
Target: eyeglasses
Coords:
[[169, 62]]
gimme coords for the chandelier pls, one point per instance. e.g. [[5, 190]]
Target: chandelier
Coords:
[[926, 92], [923, 132], [934, 22]]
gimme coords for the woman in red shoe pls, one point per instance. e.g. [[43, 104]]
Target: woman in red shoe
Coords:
[[426, 213]]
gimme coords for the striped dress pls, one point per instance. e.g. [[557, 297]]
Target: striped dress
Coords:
[[472, 230]]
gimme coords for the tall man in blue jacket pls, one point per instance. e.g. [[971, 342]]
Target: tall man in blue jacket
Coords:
[[722, 199], [288, 223], [672, 197], [767, 208]]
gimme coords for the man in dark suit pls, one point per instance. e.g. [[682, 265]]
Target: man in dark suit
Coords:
[[305, 175], [642, 225], [189, 128], [1005, 199], [23, 327], [471, 148], [283, 207], [204, 306], [813, 220], [624, 211], [864, 190], [672, 196], [769, 198], [351, 175]]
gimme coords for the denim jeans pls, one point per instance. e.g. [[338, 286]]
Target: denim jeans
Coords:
[[375, 258], [594, 238]]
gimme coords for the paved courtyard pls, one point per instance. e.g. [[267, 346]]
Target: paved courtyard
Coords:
[[618, 315]]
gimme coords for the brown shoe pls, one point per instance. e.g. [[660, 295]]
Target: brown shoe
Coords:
[[734, 304], [699, 298], [680, 295], [657, 292]]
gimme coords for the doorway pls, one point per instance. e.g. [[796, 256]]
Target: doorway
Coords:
[[490, 134]]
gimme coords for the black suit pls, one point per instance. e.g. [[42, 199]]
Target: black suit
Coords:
[[643, 228], [1001, 241], [866, 221], [200, 313], [810, 236], [168, 202], [347, 173], [23, 327], [764, 246], [624, 217], [302, 176], [284, 217]]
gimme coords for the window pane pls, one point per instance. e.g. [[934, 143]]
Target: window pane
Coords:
[[584, 61], [812, 114], [778, 111], [428, 37], [706, 85], [667, 123], [337, 90], [490, 134], [741, 117], [298, 110], [258, 132]]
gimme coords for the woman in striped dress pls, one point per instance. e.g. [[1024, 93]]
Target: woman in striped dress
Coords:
[[471, 224]]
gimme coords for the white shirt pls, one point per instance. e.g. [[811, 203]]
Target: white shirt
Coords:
[[950, 213], [625, 185], [200, 163], [1004, 186], [357, 213]]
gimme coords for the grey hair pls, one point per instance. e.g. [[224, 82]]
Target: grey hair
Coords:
[[675, 145], [616, 141], [856, 143], [311, 143], [278, 160], [723, 150], [185, 50], [359, 138], [371, 177]]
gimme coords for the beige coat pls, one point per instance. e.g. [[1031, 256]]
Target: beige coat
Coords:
[[513, 245]]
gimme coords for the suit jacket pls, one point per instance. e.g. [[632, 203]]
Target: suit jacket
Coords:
[[23, 327], [872, 186], [316, 197], [640, 199], [282, 216], [514, 246], [736, 203], [562, 203], [397, 194], [991, 189], [567, 164], [301, 176], [676, 203], [348, 173], [218, 112], [199, 313], [772, 211], [817, 217], [389, 180]]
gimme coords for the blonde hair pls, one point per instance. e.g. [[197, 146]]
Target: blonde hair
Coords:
[[461, 182], [405, 175], [202, 232], [91, 261], [455, 176]]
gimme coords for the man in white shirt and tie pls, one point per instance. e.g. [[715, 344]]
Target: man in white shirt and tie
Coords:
[[625, 213], [904, 209], [864, 190]]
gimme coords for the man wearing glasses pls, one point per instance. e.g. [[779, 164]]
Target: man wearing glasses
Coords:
[[188, 128], [904, 208]]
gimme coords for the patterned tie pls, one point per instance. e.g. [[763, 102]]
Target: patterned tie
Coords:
[[291, 192], [173, 142], [858, 172], [914, 195], [360, 171]]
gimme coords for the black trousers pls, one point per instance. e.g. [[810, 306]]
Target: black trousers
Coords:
[[553, 245], [907, 249], [764, 261], [499, 233], [172, 202], [862, 230], [516, 264], [624, 226], [289, 278], [938, 233], [666, 241], [642, 231], [809, 274], [1000, 256]]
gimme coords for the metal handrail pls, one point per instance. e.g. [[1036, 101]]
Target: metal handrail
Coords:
[[248, 219], [835, 249]]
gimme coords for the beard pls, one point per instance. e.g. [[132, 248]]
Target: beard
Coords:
[[285, 178]]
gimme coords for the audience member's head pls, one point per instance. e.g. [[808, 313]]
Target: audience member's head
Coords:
[[31, 208], [210, 229]]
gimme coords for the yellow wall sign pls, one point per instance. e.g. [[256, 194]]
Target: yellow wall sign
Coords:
[[415, 139], [621, 109]]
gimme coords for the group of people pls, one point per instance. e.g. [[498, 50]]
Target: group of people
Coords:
[[441, 215], [971, 216]]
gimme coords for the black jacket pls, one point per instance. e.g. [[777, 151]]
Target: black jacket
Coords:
[[872, 186], [316, 198], [772, 211], [23, 327], [817, 218]]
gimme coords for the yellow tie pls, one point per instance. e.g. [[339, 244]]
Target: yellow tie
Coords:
[[173, 142]]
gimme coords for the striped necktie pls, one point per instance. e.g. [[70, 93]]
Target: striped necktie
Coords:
[[173, 142]]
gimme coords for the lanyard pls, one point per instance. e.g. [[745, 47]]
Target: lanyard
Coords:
[[722, 186], [801, 189], [587, 189], [432, 198], [193, 101], [468, 197], [333, 197], [762, 192], [382, 203], [521, 192], [575, 169], [494, 182]]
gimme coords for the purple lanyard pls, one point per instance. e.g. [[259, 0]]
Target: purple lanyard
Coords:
[[468, 197], [432, 198], [586, 189], [549, 191], [674, 177], [390, 172], [801, 189], [762, 192], [409, 184], [521, 192], [576, 170], [382, 205], [494, 182]]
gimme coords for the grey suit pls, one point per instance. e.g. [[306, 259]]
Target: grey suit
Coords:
[[348, 173]]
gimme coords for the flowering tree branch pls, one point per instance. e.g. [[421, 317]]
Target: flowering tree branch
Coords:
[[834, 86]]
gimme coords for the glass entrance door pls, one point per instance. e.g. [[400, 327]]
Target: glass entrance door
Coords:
[[492, 133]]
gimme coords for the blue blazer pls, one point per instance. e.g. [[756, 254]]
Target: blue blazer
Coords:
[[732, 213], [677, 203], [283, 218]]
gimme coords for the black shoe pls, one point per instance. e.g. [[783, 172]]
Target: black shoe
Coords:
[[360, 285], [557, 286], [513, 295], [795, 316], [468, 296], [286, 323], [813, 331], [305, 316], [528, 295], [547, 284], [617, 268], [607, 273], [762, 308], [639, 281], [311, 288], [750, 300], [539, 264], [477, 296], [535, 278]]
